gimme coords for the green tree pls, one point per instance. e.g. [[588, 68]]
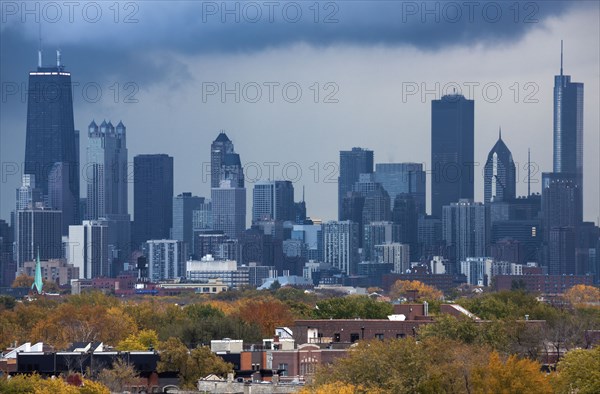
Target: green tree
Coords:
[[579, 372], [351, 307]]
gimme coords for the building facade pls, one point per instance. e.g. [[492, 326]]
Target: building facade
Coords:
[[153, 198], [452, 151]]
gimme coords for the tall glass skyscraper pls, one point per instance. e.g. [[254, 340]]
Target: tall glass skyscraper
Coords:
[[225, 164], [452, 151], [152, 197], [352, 163], [51, 137], [273, 200], [568, 129], [106, 170], [398, 178]]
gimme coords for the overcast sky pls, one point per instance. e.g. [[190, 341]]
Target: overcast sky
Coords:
[[310, 81]]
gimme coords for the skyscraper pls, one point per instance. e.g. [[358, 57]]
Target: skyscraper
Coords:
[[464, 226], [88, 249], [452, 151], [38, 231], [273, 200], [184, 206], [51, 136], [406, 178], [106, 170], [166, 259], [352, 163], [568, 125], [406, 216], [225, 164], [28, 196], [340, 245], [229, 209], [153, 197], [499, 173]]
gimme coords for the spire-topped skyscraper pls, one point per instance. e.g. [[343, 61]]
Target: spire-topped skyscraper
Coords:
[[51, 137], [499, 173], [568, 129]]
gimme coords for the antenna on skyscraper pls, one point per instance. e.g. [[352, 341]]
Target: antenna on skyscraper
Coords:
[[40, 45], [561, 58], [528, 172], [303, 193]]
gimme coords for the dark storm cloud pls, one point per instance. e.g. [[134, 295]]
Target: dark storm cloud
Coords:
[[141, 43], [136, 43]]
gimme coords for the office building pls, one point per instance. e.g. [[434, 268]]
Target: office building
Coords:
[[51, 136], [352, 163], [184, 206], [273, 200], [229, 209], [88, 249], [478, 270], [499, 174], [166, 259], [568, 129], [403, 178], [340, 245], [452, 151], [38, 230], [225, 164], [152, 197], [464, 227]]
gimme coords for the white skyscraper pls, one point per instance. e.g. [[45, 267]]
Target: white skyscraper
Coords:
[[340, 245], [166, 259], [88, 249]]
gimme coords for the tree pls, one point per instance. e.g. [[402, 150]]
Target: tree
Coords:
[[26, 281], [582, 294], [7, 302], [35, 384], [23, 281], [191, 366], [403, 288], [579, 371], [351, 307], [120, 377], [513, 376], [143, 340], [268, 313], [339, 388], [405, 366]]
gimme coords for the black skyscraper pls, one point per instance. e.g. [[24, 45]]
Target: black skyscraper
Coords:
[[499, 174], [51, 137], [153, 197], [452, 156], [352, 164]]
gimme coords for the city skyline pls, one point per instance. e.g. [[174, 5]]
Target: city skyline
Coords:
[[344, 122]]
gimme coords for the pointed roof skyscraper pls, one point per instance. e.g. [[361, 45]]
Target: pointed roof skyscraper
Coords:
[[499, 173]]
